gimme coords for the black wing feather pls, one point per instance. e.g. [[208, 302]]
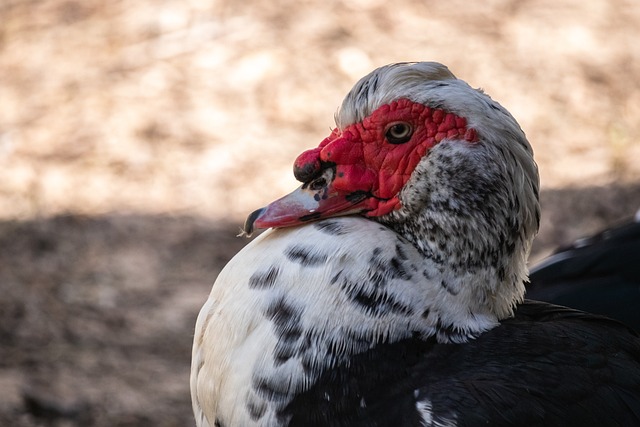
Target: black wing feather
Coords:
[[548, 366], [599, 274]]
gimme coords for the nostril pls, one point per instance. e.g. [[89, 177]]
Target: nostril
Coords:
[[318, 183]]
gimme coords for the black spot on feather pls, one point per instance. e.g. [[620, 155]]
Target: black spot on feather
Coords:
[[285, 318], [333, 228], [286, 325], [256, 409], [374, 301], [398, 270], [378, 278], [270, 388], [264, 279], [282, 352], [502, 274], [393, 268], [304, 256], [401, 253], [448, 288], [335, 278], [367, 89]]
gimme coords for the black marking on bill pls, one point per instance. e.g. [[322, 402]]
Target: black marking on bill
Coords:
[[310, 217]]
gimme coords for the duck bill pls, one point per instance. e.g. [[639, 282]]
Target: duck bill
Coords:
[[312, 201]]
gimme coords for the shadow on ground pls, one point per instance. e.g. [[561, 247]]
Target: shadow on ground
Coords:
[[97, 313]]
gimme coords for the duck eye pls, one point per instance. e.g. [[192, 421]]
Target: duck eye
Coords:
[[399, 133]]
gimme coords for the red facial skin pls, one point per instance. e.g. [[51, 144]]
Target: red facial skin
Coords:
[[369, 170]]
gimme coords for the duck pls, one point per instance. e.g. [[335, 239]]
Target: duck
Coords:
[[388, 288]]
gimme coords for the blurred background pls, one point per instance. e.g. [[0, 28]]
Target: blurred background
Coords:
[[135, 136]]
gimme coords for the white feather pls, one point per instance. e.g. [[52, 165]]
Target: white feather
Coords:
[[234, 341]]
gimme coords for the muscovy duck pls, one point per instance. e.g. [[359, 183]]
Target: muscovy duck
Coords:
[[599, 274], [389, 290]]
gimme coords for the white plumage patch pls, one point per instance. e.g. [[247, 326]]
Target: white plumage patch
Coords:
[[314, 295]]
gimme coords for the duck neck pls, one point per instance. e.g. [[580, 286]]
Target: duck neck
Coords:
[[466, 222]]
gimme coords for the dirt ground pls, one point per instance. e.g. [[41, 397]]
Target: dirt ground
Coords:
[[136, 135]]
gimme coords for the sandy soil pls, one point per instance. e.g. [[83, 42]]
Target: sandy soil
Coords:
[[136, 135]]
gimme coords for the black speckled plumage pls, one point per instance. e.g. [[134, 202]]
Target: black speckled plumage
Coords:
[[529, 371]]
